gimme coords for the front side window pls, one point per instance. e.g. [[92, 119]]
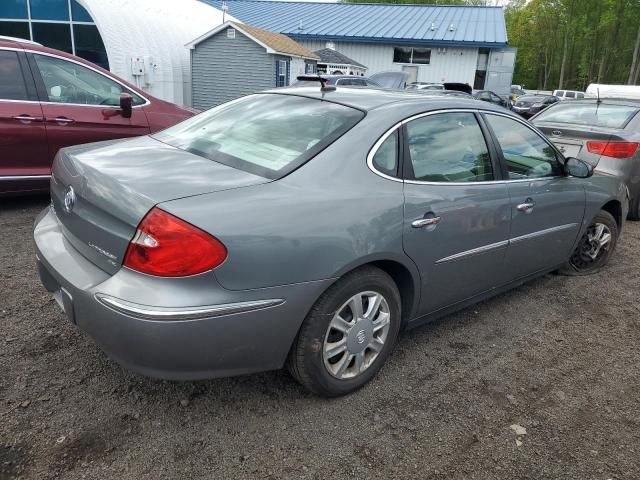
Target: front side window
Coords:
[[385, 159], [12, 85], [68, 82], [526, 154], [448, 147], [265, 134]]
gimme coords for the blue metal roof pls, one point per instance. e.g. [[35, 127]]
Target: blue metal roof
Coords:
[[415, 24]]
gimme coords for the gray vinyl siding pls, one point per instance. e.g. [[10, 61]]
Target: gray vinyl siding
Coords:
[[223, 69]]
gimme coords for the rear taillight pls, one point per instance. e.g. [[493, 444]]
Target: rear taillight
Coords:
[[166, 246], [613, 149]]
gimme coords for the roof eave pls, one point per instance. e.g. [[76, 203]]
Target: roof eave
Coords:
[[398, 41]]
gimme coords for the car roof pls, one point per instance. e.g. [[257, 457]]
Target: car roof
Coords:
[[367, 99]]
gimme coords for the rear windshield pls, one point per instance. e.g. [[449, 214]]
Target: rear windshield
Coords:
[[266, 134], [592, 114]]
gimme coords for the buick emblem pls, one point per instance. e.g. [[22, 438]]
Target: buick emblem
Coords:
[[69, 199], [361, 336], [556, 133]]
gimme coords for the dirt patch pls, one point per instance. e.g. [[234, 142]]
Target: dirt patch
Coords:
[[558, 356]]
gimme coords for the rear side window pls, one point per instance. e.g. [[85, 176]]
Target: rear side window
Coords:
[[448, 147], [526, 154], [385, 159], [12, 86], [592, 114], [265, 134], [570, 95]]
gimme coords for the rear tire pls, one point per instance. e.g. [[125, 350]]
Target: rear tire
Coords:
[[595, 248], [348, 334]]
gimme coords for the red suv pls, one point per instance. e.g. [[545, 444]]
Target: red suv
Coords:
[[50, 99]]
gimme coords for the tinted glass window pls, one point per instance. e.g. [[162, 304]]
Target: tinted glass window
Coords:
[[12, 85], [68, 82], [385, 159], [526, 154], [592, 114], [89, 45], [580, 95], [53, 35], [421, 56], [79, 13], [402, 55], [267, 134], [448, 147], [13, 9], [15, 29], [50, 9], [570, 95]]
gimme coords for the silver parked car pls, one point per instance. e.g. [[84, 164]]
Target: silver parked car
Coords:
[[605, 134], [306, 227]]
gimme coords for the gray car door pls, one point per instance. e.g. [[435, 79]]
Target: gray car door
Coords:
[[547, 206], [457, 211]]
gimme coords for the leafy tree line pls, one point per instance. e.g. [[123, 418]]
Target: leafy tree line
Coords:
[[572, 43], [568, 43]]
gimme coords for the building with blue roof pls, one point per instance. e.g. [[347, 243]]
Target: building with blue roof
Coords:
[[432, 43]]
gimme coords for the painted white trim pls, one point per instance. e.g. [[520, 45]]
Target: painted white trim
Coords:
[[238, 26]]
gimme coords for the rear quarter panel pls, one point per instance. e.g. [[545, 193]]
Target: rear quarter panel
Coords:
[[325, 218]]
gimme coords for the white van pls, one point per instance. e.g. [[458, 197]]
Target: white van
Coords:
[[568, 94], [613, 91]]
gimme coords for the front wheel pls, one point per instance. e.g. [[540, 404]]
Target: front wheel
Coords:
[[348, 334], [595, 247]]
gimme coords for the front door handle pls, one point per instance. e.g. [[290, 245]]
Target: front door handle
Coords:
[[527, 206], [61, 120], [28, 118], [425, 222]]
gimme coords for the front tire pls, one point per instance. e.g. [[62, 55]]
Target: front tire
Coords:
[[595, 248], [348, 334]]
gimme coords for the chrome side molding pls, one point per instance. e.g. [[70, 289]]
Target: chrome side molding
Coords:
[[146, 312]]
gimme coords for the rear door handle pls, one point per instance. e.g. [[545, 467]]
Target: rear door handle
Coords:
[[425, 222], [28, 118], [61, 120], [527, 206]]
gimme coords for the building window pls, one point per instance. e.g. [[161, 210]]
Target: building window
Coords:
[[49, 10], [231, 33], [420, 56], [309, 68], [282, 73], [62, 24], [13, 9], [54, 35], [14, 29]]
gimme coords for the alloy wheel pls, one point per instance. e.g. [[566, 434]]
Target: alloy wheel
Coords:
[[592, 248], [356, 335]]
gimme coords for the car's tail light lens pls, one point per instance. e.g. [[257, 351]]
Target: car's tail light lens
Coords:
[[613, 149], [166, 246]]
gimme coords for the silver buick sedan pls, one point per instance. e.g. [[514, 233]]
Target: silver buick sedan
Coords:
[[307, 227]]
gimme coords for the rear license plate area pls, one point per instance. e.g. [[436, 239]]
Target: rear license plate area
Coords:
[[568, 150]]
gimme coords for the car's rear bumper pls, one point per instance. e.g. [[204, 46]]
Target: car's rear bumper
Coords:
[[189, 328]]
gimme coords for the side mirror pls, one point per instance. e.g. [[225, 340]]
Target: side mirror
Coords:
[[126, 105], [578, 168]]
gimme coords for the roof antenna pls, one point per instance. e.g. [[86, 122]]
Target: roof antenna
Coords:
[[224, 7], [598, 91]]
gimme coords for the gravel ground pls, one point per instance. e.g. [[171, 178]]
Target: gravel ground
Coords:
[[558, 357]]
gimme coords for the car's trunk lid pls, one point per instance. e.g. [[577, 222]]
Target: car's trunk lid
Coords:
[[572, 140], [100, 192]]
